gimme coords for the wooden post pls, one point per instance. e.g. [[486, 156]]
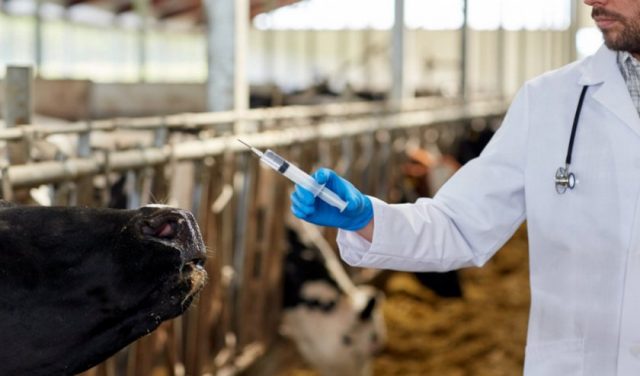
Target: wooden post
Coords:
[[223, 209], [245, 254], [202, 355], [18, 105], [215, 289], [84, 185], [269, 234]]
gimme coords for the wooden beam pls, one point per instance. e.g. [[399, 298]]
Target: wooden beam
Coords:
[[70, 3], [176, 8], [123, 8], [263, 6], [128, 6]]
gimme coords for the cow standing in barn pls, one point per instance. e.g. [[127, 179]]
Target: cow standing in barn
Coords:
[[337, 327], [425, 172], [78, 284]]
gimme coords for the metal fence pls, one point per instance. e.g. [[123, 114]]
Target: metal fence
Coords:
[[194, 161]]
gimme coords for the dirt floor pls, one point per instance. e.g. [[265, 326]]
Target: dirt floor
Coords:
[[480, 335]]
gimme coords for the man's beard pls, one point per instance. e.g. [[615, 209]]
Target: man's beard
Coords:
[[629, 37]]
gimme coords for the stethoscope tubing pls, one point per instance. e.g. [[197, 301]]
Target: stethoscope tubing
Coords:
[[564, 178], [574, 128]]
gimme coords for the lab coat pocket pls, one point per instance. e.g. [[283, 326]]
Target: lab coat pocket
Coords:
[[555, 358]]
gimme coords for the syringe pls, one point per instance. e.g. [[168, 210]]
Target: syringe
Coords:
[[296, 175]]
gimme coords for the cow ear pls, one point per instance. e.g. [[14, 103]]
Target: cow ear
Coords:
[[366, 313]]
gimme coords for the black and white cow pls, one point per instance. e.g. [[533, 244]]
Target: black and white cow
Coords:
[[336, 326], [78, 284]]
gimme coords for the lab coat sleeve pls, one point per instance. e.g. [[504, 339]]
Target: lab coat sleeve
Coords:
[[467, 221]]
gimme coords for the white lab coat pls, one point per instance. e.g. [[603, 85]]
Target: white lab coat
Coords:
[[584, 244]]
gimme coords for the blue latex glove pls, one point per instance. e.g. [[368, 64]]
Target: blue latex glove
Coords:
[[355, 216]]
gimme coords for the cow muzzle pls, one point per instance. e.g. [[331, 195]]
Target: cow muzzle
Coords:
[[178, 229]]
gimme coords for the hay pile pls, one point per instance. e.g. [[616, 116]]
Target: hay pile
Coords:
[[481, 335]]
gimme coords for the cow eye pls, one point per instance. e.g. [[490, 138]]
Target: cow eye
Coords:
[[346, 340]]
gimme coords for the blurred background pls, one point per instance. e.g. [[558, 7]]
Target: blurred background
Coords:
[[121, 103]]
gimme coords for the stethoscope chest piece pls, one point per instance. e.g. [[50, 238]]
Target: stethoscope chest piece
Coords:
[[564, 180]]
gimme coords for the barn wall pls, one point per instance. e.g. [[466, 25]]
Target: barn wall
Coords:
[[295, 58]]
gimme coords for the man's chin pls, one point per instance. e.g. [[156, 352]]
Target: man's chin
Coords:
[[612, 42]]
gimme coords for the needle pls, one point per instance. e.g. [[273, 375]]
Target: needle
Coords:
[[258, 152]]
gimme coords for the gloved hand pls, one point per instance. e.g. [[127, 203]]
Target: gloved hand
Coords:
[[355, 216]]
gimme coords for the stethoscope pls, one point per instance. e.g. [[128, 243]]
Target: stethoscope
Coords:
[[564, 178]]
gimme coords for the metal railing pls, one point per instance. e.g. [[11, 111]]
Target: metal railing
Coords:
[[241, 207]]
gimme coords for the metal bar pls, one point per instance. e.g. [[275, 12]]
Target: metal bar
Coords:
[[37, 37], [573, 30], [311, 54], [142, 10], [399, 84], [500, 52], [524, 62], [191, 121], [464, 40], [47, 172], [227, 87]]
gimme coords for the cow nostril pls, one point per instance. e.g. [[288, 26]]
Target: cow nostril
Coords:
[[165, 230]]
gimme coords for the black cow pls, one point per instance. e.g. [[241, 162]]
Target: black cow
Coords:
[[424, 173], [77, 284]]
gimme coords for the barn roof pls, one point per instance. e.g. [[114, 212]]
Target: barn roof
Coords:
[[161, 10]]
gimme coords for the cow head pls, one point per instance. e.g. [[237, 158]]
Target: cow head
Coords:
[[78, 284]]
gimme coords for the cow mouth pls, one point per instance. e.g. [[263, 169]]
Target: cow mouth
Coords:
[[194, 273]]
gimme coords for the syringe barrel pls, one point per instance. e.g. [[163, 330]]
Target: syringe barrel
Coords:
[[303, 179], [307, 182]]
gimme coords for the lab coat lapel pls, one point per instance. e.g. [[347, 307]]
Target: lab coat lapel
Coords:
[[609, 88]]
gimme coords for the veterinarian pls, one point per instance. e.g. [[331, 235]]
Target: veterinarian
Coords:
[[567, 160]]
